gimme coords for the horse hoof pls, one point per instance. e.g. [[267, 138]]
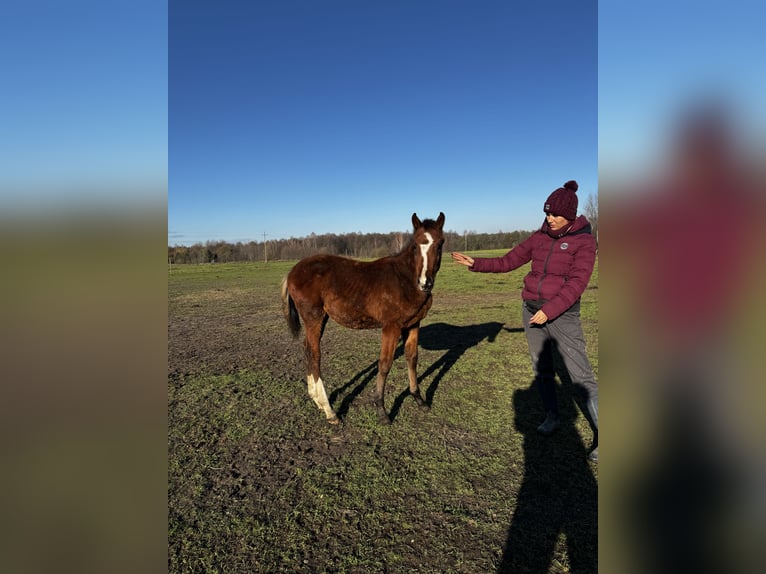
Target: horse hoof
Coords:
[[334, 420], [384, 420], [422, 405]]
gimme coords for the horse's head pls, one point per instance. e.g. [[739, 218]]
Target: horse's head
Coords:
[[428, 241]]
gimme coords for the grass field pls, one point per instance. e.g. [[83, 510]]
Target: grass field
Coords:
[[259, 482]]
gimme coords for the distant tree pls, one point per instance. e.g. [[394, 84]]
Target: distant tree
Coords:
[[398, 242], [363, 245], [590, 210], [197, 253]]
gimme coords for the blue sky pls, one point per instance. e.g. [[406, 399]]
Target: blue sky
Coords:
[[657, 60], [293, 117], [84, 102]]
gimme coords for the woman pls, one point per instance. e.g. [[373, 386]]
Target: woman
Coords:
[[562, 253]]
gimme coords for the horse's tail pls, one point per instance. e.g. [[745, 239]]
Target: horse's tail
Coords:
[[290, 311]]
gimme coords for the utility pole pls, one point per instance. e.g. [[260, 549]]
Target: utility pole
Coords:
[[265, 254]]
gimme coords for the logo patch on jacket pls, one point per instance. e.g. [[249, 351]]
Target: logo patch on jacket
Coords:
[[565, 246]]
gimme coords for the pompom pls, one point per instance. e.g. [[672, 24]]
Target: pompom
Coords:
[[571, 184]]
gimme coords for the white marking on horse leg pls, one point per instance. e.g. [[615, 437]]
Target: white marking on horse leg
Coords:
[[323, 402], [424, 247], [312, 388]]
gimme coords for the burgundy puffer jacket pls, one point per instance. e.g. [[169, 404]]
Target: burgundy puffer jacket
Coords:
[[561, 265]]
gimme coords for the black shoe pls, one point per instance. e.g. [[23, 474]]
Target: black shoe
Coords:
[[550, 425]]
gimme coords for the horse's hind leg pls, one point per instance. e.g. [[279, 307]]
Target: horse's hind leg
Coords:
[[411, 354], [314, 330], [318, 393]]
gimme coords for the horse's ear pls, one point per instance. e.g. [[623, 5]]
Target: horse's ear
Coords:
[[416, 223], [440, 220]]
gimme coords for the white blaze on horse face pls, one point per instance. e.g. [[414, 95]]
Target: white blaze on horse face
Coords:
[[424, 247]]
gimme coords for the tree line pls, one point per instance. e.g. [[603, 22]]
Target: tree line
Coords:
[[358, 245]]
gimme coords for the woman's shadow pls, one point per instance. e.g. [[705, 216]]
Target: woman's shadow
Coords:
[[453, 339], [558, 494]]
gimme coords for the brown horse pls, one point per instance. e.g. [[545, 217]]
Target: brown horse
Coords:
[[392, 293]]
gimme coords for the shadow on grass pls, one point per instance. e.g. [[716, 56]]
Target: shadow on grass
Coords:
[[558, 494], [453, 339]]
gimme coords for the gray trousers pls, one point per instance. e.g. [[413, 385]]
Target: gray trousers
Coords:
[[562, 337]]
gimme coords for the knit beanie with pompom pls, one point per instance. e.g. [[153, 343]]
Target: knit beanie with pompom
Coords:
[[563, 201]]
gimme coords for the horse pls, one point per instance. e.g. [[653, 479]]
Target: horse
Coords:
[[391, 293]]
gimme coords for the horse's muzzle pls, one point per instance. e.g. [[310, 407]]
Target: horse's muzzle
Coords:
[[427, 286]]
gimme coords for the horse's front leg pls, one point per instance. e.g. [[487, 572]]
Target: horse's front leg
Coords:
[[410, 337], [388, 343]]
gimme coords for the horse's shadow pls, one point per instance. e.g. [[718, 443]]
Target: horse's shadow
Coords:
[[453, 339]]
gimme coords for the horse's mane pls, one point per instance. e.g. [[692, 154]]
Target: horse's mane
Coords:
[[429, 224]]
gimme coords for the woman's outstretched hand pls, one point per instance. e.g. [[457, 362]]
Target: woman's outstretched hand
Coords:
[[462, 259]]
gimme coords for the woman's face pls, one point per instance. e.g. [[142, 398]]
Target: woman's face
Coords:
[[556, 222]]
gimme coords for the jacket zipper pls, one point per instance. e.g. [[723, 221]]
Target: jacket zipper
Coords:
[[545, 269]]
